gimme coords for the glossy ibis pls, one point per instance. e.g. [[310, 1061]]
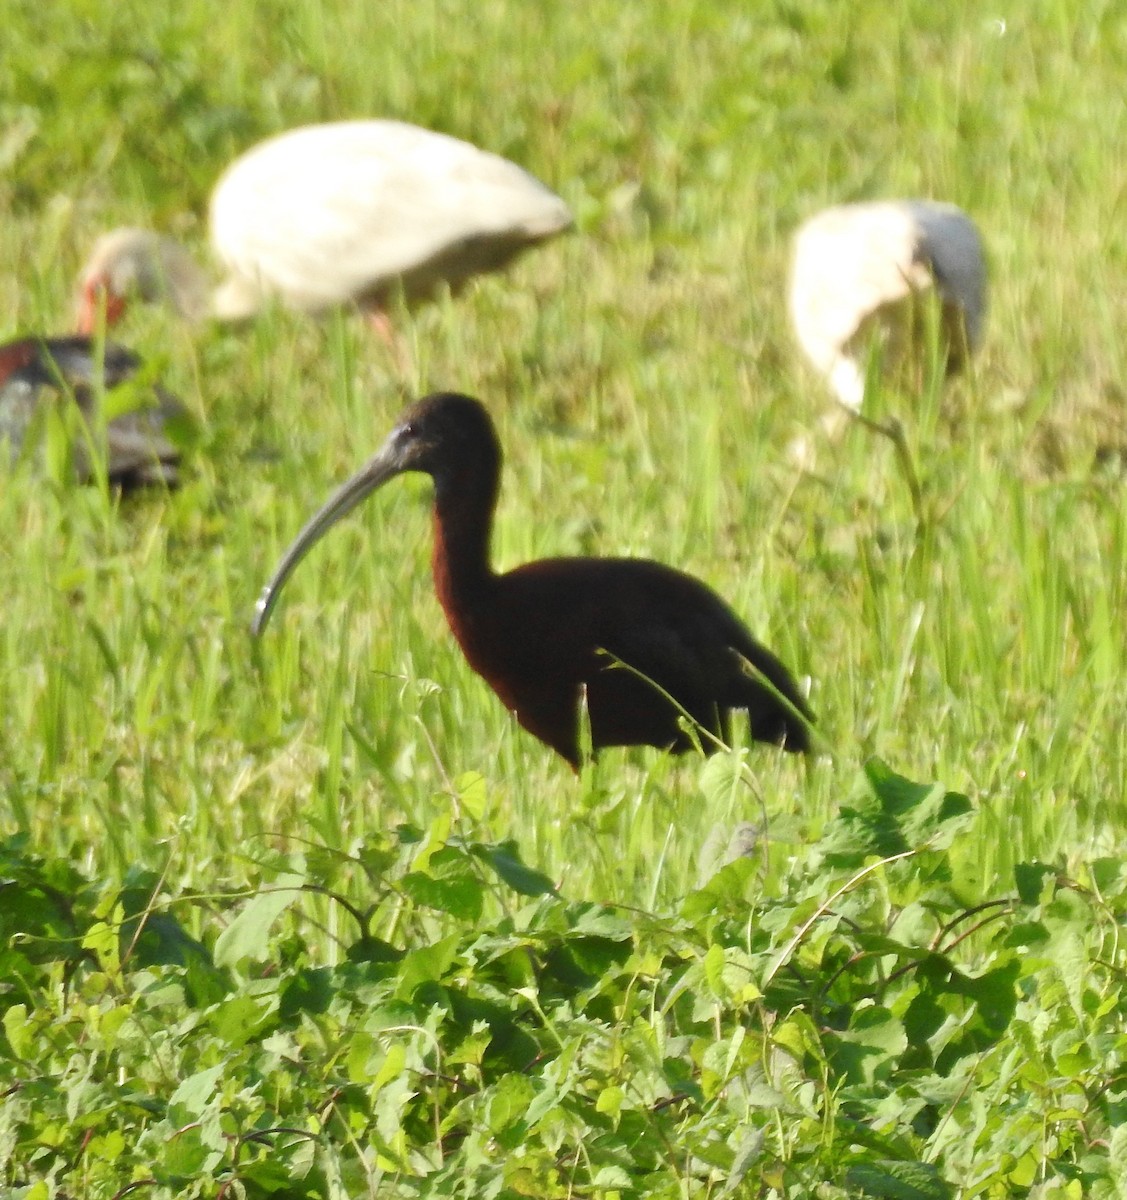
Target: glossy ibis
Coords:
[[355, 212], [137, 451], [642, 642], [859, 271]]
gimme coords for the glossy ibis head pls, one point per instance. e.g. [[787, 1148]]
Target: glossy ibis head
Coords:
[[136, 264], [444, 436]]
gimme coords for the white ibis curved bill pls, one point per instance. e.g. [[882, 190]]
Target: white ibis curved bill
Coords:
[[137, 451], [858, 273], [353, 212]]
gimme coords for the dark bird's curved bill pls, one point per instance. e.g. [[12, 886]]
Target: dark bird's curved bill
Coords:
[[538, 634], [376, 471]]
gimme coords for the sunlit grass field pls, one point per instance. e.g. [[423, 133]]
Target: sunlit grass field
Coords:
[[648, 395], [646, 389]]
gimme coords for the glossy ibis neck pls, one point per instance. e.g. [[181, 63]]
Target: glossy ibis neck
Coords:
[[465, 495]]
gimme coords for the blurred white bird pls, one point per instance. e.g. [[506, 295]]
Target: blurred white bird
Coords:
[[859, 273], [355, 212]]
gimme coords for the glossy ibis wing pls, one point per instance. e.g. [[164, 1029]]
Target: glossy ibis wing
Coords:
[[73, 360], [139, 453], [649, 644], [137, 450]]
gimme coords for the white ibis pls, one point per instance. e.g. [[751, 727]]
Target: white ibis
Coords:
[[137, 451], [355, 212], [859, 271]]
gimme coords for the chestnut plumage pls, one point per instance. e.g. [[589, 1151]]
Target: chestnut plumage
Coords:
[[645, 645]]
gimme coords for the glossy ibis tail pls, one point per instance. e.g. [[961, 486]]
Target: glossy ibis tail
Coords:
[[646, 644]]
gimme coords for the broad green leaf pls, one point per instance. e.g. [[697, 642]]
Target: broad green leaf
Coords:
[[20, 1031], [185, 1157], [890, 815], [505, 860], [610, 1100], [612, 1177], [713, 966], [727, 887], [473, 794], [509, 1101], [1035, 882], [246, 1013], [309, 991], [597, 920], [393, 1066], [870, 1048], [461, 897], [194, 1093], [102, 940], [426, 965], [247, 935], [899, 1181]]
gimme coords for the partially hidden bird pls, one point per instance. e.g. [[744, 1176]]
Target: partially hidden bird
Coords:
[[137, 448], [347, 213], [859, 274], [639, 651]]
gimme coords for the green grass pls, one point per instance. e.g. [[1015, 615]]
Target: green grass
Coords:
[[646, 389]]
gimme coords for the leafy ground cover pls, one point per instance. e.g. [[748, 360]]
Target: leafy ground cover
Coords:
[[311, 916], [865, 1031]]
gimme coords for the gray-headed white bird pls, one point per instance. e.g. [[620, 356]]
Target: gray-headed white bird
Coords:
[[354, 212], [858, 274]]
